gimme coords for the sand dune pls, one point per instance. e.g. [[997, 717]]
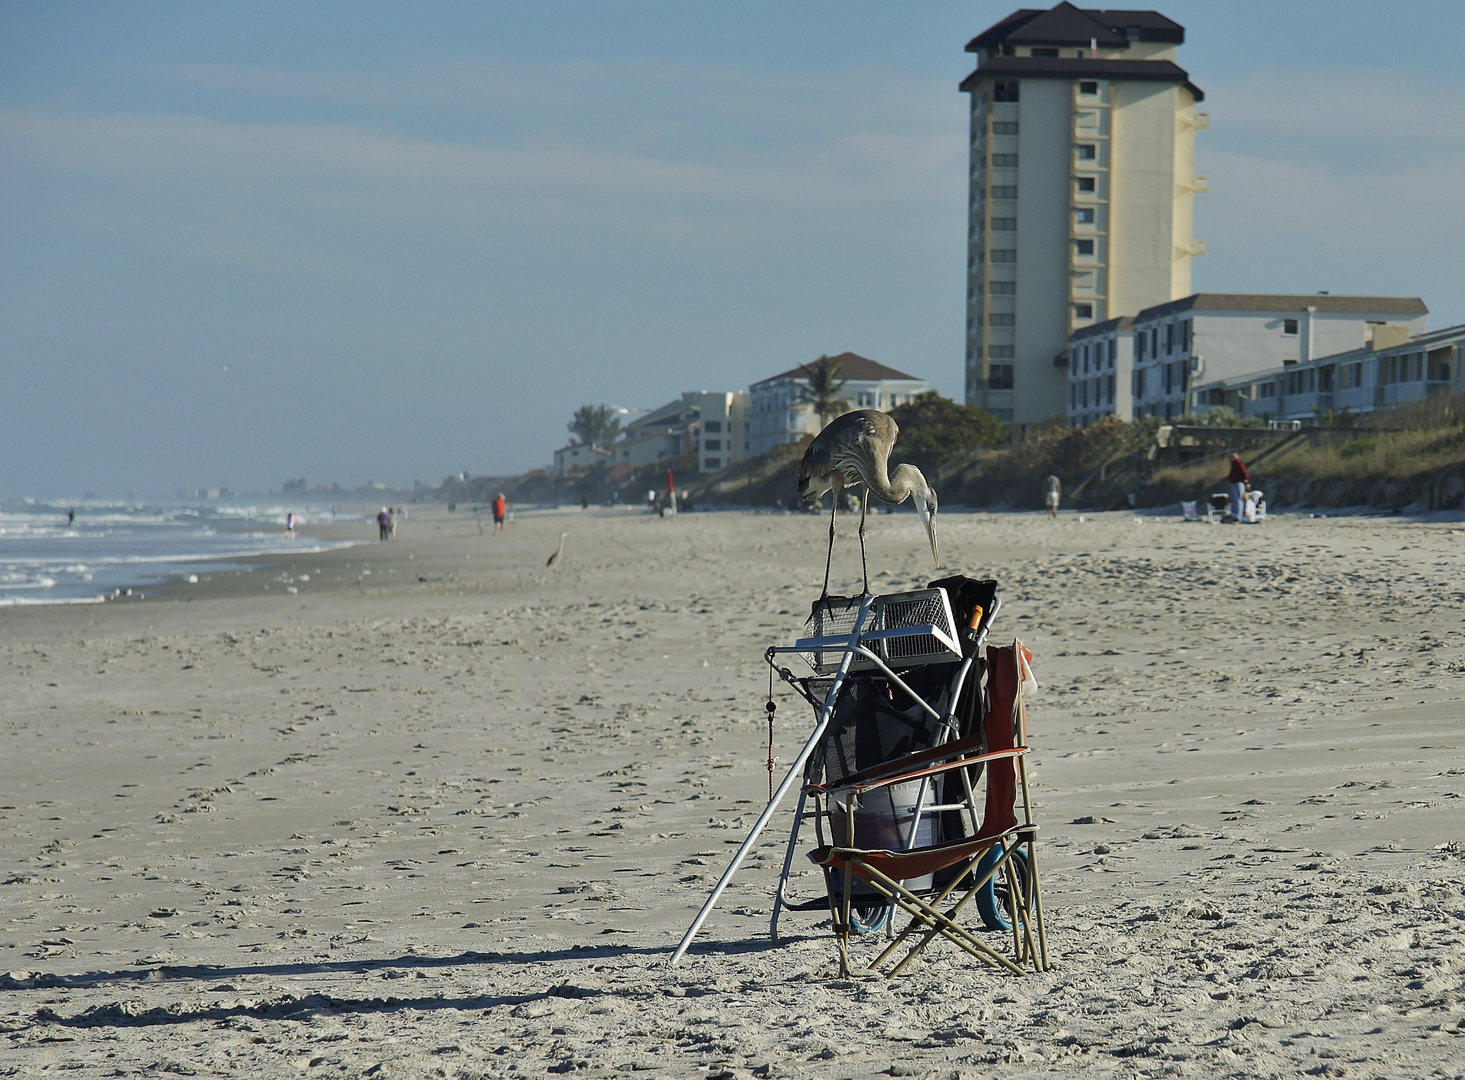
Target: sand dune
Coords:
[[443, 811]]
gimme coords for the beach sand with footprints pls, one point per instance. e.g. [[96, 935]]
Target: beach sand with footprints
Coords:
[[445, 811]]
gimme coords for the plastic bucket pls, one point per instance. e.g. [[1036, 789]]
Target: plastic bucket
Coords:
[[883, 822]]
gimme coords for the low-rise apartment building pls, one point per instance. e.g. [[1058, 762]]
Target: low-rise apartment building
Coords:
[[708, 423], [1100, 367], [1358, 381], [578, 457], [778, 412], [1219, 336]]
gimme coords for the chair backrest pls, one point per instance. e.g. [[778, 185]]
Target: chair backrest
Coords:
[[1005, 727]]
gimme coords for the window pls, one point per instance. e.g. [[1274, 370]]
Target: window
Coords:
[[1004, 127], [1004, 256], [1004, 161], [1289, 326], [1165, 378], [1002, 319], [1083, 247], [1046, 52], [1083, 311], [712, 427], [1087, 86], [1004, 224], [1169, 338], [1004, 191], [1111, 389], [1113, 352], [999, 376], [1002, 288], [1000, 352], [1072, 395], [1139, 347], [711, 444], [1085, 215], [1085, 183], [1185, 336], [712, 463], [1005, 90], [1139, 382], [1086, 152]]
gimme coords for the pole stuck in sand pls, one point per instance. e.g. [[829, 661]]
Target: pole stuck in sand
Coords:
[[795, 773]]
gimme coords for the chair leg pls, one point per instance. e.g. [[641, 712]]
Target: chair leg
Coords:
[[934, 931], [912, 903], [875, 964], [846, 912], [1036, 899]]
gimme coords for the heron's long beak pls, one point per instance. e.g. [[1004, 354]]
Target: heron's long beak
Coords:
[[928, 519]]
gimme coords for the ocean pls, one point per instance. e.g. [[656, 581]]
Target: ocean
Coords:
[[117, 546]]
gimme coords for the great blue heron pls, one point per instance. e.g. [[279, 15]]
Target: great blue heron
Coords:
[[855, 449], [560, 553]]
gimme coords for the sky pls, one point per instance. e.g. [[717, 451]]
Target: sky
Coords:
[[349, 241]]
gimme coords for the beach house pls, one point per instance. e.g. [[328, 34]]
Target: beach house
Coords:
[[779, 411]]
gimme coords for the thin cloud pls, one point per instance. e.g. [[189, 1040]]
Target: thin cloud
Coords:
[[385, 176]]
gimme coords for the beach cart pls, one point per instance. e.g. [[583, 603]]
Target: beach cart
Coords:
[[913, 788]]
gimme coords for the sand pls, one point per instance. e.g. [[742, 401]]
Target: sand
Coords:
[[441, 811]]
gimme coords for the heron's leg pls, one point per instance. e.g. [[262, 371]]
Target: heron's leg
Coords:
[[828, 559], [864, 566]]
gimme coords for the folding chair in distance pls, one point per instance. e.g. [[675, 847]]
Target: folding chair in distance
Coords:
[[1002, 849]]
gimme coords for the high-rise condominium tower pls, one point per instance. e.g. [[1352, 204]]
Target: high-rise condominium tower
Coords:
[[1082, 186]]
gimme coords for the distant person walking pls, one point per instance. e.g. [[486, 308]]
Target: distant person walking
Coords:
[[71, 520], [500, 508], [1240, 481], [1052, 493], [290, 525], [384, 524]]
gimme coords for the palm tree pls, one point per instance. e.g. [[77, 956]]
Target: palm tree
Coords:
[[823, 389], [595, 425]]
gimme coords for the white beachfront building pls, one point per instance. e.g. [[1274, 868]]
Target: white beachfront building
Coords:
[[1100, 359], [1081, 192], [779, 414], [1377, 376], [709, 424], [1213, 337]]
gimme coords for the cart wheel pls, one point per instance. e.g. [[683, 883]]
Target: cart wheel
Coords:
[[865, 918], [992, 897]]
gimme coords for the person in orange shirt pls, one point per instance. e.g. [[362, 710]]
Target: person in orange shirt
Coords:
[[500, 508]]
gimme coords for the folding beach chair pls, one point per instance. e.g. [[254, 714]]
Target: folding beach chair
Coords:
[[920, 878]]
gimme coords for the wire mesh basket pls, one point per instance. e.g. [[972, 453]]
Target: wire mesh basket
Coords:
[[903, 629]]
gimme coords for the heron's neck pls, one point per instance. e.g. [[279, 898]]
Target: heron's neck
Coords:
[[895, 487]]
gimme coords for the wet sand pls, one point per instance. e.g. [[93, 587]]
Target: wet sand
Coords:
[[443, 811]]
